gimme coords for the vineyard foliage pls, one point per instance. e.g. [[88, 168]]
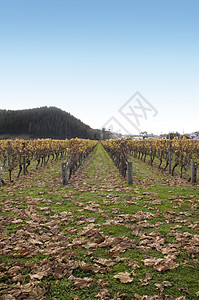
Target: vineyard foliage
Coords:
[[19, 152], [182, 151]]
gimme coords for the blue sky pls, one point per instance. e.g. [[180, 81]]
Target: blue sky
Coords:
[[88, 57]]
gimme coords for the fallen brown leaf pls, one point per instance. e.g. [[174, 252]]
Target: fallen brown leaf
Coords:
[[161, 264], [145, 282], [80, 283], [102, 283], [124, 277], [102, 294], [158, 297], [105, 262], [161, 286]]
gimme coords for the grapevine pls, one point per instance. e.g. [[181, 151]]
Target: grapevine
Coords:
[[183, 151], [21, 153]]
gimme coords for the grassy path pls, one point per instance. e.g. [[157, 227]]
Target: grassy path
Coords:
[[98, 238]]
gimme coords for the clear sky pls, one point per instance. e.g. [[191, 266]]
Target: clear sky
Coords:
[[89, 57]]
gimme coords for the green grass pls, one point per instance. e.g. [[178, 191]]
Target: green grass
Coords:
[[97, 204], [186, 174]]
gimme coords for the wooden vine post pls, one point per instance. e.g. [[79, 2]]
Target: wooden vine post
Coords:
[[0, 177], [151, 155], [24, 159], [170, 157], [130, 172], [64, 173], [9, 161], [194, 166]]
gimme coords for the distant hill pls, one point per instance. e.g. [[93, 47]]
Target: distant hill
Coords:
[[43, 122]]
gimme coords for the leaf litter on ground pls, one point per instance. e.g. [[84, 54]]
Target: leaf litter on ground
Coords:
[[49, 233]]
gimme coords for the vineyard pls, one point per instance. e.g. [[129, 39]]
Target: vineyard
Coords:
[[21, 153], [98, 237], [163, 153]]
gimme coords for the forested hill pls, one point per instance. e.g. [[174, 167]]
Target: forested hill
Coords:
[[43, 122]]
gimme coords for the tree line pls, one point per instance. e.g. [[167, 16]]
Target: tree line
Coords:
[[44, 122]]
